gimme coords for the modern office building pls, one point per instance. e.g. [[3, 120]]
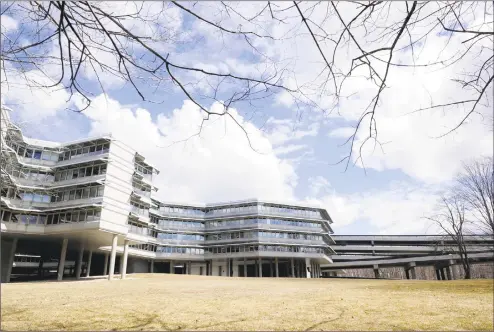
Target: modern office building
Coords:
[[68, 208]]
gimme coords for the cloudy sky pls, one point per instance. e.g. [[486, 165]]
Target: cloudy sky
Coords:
[[292, 151]]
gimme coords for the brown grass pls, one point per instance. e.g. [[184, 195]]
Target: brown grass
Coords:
[[173, 302]]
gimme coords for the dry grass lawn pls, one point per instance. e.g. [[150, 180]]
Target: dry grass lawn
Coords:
[[173, 302]]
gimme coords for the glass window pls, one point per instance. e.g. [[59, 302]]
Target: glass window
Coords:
[[82, 215], [37, 154]]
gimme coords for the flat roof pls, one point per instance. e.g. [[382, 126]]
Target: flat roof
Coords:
[[296, 204]]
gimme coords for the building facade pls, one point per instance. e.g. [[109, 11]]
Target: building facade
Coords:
[[96, 196]]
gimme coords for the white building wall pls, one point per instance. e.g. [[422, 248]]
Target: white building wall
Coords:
[[196, 269], [118, 184], [216, 265]]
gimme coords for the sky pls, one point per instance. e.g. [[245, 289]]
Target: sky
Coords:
[[291, 153]]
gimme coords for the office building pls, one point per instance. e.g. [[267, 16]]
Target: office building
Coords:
[[89, 207]]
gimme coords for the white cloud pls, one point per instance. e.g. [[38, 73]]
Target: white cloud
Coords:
[[289, 149], [8, 23], [281, 131], [217, 165], [399, 209], [33, 102], [342, 132]]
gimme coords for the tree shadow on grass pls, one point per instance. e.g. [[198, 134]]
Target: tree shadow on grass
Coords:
[[144, 320], [310, 328]]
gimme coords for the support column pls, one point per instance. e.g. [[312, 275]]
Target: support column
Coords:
[[277, 271], [125, 256], [271, 274], [308, 270], [450, 270], [61, 262], [245, 267], [152, 266], [260, 267], [40, 269], [105, 267], [89, 259], [10, 263], [410, 270], [438, 274], [443, 274], [293, 268], [449, 274], [172, 267], [78, 266], [454, 273], [113, 255], [189, 268], [376, 271]]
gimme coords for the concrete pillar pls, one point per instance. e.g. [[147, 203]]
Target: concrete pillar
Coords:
[[454, 272], [376, 271], [276, 267], [293, 268], [152, 266], [105, 267], [89, 258], [410, 270], [61, 262], [172, 267], [78, 263], [260, 267], [10, 261], [189, 268], [438, 274], [113, 255], [245, 267], [271, 274], [123, 266], [40, 268], [443, 275], [449, 273], [308, 271]]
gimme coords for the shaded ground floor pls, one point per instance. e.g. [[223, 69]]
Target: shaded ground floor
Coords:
[[40, 259]]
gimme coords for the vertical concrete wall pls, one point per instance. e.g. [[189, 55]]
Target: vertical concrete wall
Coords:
[[216, 265], [195, 269], [6, 247], [118, 184]]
